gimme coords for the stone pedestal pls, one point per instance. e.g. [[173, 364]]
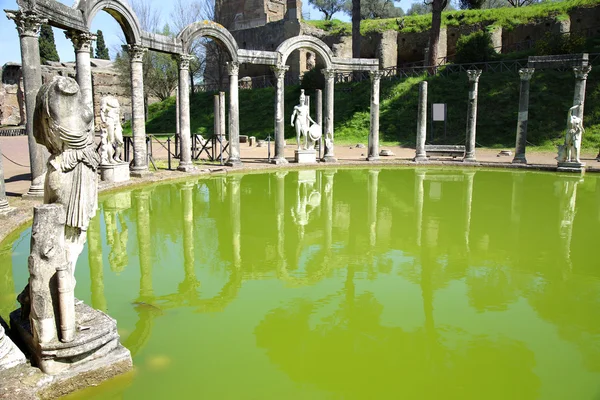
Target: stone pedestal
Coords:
[[305, 156], [567, 166], [96, 341], [10, 355], [114, 172]]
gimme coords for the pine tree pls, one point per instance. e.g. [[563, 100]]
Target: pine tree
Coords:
[[101, 49], [47, 46]]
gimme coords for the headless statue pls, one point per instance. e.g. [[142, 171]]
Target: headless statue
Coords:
[[570, 151]]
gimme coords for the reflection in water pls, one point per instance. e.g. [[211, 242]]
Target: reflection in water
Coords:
[[339, 309], [7, 285]]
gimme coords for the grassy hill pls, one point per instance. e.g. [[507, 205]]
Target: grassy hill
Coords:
[[551, 96], [506, 17]]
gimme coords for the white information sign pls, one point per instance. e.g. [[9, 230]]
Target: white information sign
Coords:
[[439, 112]]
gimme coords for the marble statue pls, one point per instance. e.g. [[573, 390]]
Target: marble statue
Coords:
[[112, 132], [301, 121], [570, 151], [59, 331]]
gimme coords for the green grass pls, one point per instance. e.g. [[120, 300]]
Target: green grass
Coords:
[[551, 96], [507, 17]]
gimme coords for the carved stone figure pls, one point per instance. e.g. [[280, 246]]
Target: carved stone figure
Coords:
[[302, 124], [112, 132], [58, 331], [570, 151]]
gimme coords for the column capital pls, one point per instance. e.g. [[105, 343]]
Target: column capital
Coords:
[[280, 70], [329, 73], [582, 72], [376, 75], [233, 68], [28, 23], [474, 75], [526, 73], [82, 41], [136, 53], [183, 61]]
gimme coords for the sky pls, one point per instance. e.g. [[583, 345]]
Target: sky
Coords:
[[9, 42]]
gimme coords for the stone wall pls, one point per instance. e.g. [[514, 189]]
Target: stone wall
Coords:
[[246, 14], [12, 107]]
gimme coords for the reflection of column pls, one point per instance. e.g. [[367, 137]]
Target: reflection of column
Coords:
[[185, 141], [28, 25], [82, 41], [422, 123], [233, 69], [328, 174], [372, 205], [235, 215], [96, 267], [516, 197], [328, 140], [7, 284], [138, 117], [280, 210], [472, 115], [526, 74], [4, 207], [469, 200], [581, 74], [279, 117], [374, 131], [142, 202], [419, 196], [187, 199], [568, 202]]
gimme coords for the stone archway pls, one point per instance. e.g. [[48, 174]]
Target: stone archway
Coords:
[[120, 11], [216, 32], [290, 45]]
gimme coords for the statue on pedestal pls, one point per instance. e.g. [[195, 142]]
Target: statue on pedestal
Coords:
[[569, 152], [303, 128], [112, 132], [59, 331]]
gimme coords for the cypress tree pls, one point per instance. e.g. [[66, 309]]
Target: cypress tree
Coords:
[[101, 49], [47, 46]]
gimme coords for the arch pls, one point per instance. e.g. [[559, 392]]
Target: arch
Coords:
[[120, 11], [308, 42], [212, 30]]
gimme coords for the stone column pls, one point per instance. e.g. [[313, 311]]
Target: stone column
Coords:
[[581, 74], [421, 155], [138, 117], [5, 209], [472, 115], [374, 131], [319, 115], [328, 155], [185, 142], [222, 130], [82, 41], [279, 117], [233, 69], [28, 25], [526, 74], [372, 205], [217, 118]]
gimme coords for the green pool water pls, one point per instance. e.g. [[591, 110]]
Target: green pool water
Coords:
[[347, 284]]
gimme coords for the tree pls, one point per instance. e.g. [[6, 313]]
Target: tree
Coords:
[[437, 6], [101, 49], [47, 46], [418, 9], [356, 28], [522, 3], [328, 7], [375, 9], [470, 4]]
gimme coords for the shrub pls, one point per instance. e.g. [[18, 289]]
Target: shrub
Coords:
[[313, 79], [475, 47], [557, 43]]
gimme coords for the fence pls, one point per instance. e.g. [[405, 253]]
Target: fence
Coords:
[[19, 131]]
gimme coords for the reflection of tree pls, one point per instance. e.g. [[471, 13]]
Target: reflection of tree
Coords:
[[351, 353]]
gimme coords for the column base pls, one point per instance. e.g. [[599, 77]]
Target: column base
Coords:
[[139, 172], [373, 158], [279, 161], [329, 159], [114, 173], [234, 163], [6, 211], [186, 167], [35, 192], [10, 355], [469, 160], [519, 160], [421, 159]]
